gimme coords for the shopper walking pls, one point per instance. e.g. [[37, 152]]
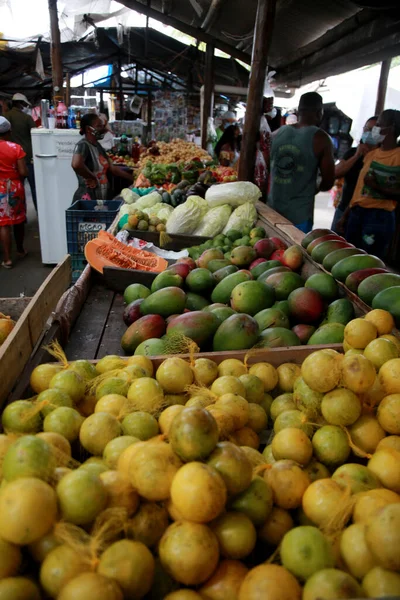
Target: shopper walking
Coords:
[[91, 163], [228, 147], [21, 125], [12, 194], [371, 217], [298, 153], [349, 168]]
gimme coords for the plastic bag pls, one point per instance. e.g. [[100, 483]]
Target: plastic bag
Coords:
[[243, 216], [234, 193], [129, 196], [214, 221], [186, 217]]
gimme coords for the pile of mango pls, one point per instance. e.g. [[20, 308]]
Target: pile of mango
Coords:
[[363, 274], [251, 296]]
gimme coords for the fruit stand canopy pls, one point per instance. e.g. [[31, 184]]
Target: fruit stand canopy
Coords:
[[182, 65], [311, 39]]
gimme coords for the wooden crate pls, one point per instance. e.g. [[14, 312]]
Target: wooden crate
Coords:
[[19, 345]]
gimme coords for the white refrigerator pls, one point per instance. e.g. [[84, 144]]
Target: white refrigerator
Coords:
[[56, 183]]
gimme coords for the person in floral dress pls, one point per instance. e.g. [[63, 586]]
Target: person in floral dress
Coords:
[[13, 170]]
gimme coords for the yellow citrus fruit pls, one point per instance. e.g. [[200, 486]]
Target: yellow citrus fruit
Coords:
[[366, 433], [389, 376], [321, 370], [198, 492], [174, 375], [391, 441], [355, 552], [358, 374], [287, 375], [382, 319], [267, 373], [277, 524], [270, 582], [142, 361], [231, 366], [392, 338], [359, 333], [389, 414], [293, 444], [379, 583], [386, 466], [224, 583], [370, 503], [379, 351]]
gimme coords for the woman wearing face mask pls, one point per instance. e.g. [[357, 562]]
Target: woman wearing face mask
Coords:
[[91, 163], [371, 223], [349, 168]]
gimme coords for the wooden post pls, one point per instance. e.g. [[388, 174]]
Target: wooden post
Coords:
[[149, 114], [56, 59], [262, 41], [121, 90], [208, 93], [101, 100], [382, 86], [68, 89]]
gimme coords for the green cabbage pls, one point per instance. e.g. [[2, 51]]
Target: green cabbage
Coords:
[[129, 196], [243, 216], [160, 210], [214, 221], [187, 216], [234, 193], [148, 201]]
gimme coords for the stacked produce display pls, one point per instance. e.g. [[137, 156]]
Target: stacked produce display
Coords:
[[139, 479], [363, 274]]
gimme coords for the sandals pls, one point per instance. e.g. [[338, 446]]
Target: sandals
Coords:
[[7, 265]]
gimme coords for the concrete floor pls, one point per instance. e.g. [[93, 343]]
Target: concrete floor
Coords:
[[28, 274]]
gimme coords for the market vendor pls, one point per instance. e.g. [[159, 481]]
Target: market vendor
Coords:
[[228, 147], [13, 170], [91, 163]]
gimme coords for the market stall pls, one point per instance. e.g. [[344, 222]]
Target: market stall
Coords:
[[255, 420]]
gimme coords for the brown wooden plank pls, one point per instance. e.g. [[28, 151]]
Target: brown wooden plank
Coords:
[[14, 353], [39, 356], [270, 215], [114, 329], [88, 330], [46, 298], [291, 231]]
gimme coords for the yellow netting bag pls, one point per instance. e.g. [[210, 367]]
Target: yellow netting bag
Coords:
[[89, 546], [164, 239], [178, 343]]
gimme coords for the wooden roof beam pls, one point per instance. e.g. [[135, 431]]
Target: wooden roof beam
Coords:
[[194, 32], [212, 14]]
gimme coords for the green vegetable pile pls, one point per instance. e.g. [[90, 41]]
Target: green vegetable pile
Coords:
[[249, 236]]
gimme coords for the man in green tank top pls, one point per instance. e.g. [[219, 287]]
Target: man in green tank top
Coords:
[[298, 152]]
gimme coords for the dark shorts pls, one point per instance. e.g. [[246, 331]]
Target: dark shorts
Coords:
[[371, 229]]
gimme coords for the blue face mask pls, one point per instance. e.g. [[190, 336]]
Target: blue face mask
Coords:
[[367, 138]]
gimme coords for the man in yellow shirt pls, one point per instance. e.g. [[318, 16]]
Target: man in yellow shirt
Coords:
[[371, 219]]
